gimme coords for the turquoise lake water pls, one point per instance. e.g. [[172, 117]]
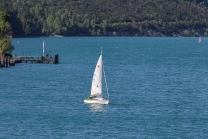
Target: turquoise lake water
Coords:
[[158, 89]]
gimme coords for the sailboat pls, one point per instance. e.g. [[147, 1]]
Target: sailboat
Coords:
[[96, 88], [199, 41]]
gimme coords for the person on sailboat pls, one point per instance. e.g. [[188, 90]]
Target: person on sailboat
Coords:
[[90, 98]]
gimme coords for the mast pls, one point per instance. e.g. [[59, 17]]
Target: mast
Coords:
[[104, 76], [43, 48], [106, 82], [101, 72]]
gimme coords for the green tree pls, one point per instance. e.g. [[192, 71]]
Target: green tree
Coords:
[[186, 33], [131, 17], [5, 35]]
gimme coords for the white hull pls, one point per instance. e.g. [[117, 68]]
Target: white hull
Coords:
[[96, 101]]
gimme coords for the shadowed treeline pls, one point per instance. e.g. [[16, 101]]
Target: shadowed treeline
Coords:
[[108, 17]]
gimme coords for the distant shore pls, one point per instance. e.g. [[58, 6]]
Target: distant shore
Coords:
[[146, 33]]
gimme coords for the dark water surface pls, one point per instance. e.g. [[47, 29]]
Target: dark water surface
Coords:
[[158, 89]]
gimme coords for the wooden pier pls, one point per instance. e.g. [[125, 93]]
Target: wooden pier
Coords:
[[8, 61]]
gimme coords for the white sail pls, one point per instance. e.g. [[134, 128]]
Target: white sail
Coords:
[[96, 88], [199, 40]]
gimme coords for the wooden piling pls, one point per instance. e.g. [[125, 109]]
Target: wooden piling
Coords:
[[55, 59]]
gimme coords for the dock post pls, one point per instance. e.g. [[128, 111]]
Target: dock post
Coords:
[[5, 61], [8, 61], [55, 61]]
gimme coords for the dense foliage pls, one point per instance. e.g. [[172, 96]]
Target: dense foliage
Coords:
[[108, 17], [5, 35]]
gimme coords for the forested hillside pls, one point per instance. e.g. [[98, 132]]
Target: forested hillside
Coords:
[[107, 17]]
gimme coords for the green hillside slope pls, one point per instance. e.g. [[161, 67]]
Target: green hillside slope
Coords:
[[108, 17]]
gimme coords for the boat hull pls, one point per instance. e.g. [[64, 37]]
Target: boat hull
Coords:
[[96, 101]]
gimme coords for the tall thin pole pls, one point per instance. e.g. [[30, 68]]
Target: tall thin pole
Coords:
[[106, 83], [43, 48]]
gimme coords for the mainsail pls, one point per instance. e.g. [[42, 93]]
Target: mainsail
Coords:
[[96, 88], [199, 40]]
